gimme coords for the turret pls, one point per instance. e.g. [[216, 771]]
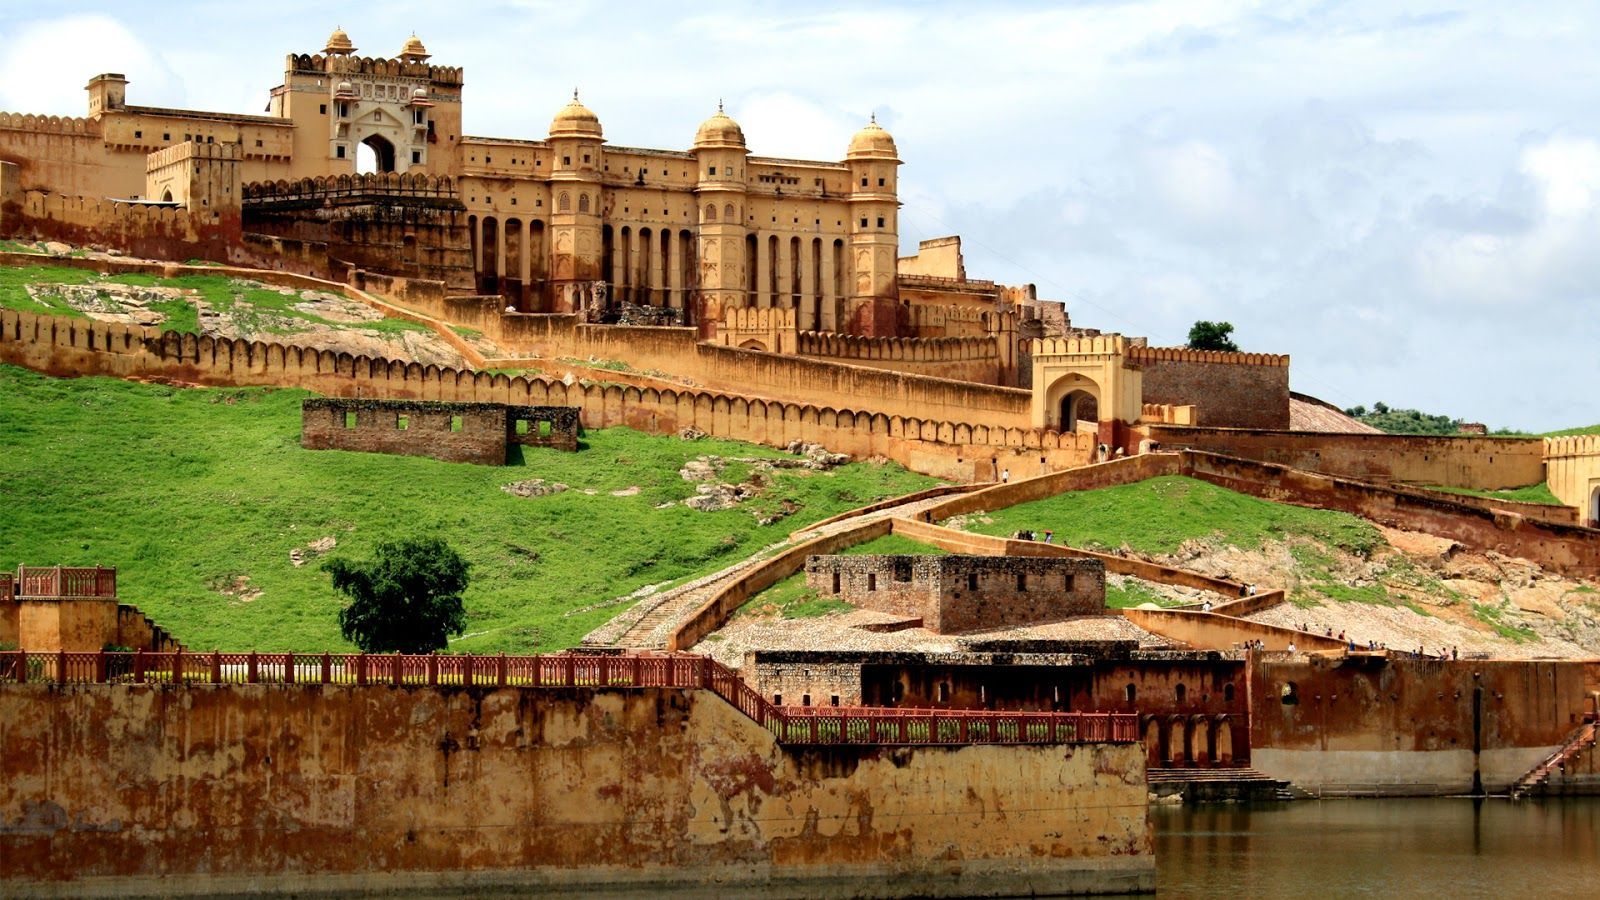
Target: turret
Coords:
[[874, 233], [720, 152], [106, 93], [575, 143]]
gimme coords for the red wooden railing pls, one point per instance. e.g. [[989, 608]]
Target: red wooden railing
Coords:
[[62, 581], [791, 725], [8, 587]]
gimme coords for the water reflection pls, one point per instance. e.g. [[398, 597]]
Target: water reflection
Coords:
[[1381, 848]]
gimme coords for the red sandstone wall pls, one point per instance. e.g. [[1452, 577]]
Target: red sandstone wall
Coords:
[[1484, 463], [481, 440]]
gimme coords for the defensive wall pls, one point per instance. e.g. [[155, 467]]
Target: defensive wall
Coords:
[[1373, 725], [1480, 463], [1244, 390], [1572, 467], [340, 789], [62, 608], [69, 347], [968, 358]]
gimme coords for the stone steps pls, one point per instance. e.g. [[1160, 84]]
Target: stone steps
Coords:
[[1580, 740]]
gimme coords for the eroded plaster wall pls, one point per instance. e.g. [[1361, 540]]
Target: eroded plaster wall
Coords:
[[139, 789]]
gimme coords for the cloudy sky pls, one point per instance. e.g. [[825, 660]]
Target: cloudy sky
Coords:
[[1402, 194]]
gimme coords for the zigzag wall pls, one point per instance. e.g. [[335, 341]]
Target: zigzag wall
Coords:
[[950, 450]]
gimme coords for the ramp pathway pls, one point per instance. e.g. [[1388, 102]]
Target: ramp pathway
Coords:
[[649, 623]]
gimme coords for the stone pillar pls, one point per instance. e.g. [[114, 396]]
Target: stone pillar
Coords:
[[763, 270], [830, 302], [807, 315], [675, 287]]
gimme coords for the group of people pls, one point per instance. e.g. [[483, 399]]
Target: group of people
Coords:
[[1030, 535]]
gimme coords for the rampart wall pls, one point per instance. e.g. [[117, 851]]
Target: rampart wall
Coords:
[[1407, 726], [69, 347], [1572, 467], [971, 358], [1243, 390], [136, 790], [1481, 463]]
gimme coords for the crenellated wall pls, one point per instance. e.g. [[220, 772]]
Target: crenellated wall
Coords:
[[974, 358], [1572, 468], [1238, 390], [955, 451]]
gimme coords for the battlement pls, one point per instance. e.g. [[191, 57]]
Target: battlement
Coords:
[[49, 124], [1097, 345], [191, 150], [1572, 445], [832, 345], [322, 188], [939, 283], [317, 63], [758, 319], [1184, 354]]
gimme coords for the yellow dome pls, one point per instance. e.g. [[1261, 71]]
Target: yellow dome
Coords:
[[339, 43], [575, 120], [719, 131], [872, 142], [413, 50]]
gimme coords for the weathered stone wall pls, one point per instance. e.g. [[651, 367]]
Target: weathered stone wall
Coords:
[[952, 594], [1484, 463], [76, 625], [803, 678], [453, 432], [127, 790], [1572, 467], [1407, 726], [1227, 389]]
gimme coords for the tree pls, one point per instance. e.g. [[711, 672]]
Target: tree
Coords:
[[406, 598], [1212, 336]]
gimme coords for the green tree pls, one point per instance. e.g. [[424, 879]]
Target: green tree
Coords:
[[406, 598], [1212, 336]]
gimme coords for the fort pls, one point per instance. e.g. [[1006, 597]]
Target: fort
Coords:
[[894, 747]]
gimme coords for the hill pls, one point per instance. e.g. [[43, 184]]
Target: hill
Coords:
[[199, 496]]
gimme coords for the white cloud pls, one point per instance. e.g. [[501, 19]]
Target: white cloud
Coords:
[[47, 63]]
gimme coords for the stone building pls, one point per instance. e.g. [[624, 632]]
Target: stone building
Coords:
[[957, 593]]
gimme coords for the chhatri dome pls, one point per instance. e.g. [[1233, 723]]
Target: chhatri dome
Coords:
[[719, 131], [575, 120], [872, 142], [339, 44], [413, 51]]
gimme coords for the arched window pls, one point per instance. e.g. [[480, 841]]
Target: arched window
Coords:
[[1130, 693], [1227, 693], [583, 203], [564, 203], [1181, 692], [711, 212], [728, 213]]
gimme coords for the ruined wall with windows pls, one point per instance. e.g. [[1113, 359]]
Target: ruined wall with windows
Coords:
[[452, 432], [957, 593]]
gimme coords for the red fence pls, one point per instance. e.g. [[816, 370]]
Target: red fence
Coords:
[[791, 725], [8, 587], [61, 581]]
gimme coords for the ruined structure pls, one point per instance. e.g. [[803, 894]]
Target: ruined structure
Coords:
[[73, 609], [452, 432], [951, 594]]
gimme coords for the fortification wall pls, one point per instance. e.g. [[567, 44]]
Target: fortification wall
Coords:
[[157, 232], [1406, 726], [1561, 548], [1572, 467], [1237, 390], [68, 155], [453, 432], [1481, 463], [130, 790], [975, 358], [70, 347]]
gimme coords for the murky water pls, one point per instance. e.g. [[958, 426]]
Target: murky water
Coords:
[[1445, 848]]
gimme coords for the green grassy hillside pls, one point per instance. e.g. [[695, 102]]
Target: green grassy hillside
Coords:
[[199, 495]]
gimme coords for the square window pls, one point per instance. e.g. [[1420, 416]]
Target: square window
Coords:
[[349, 420], [513, 201], [544, 428], [167, 138], [258, 143], [323, 109], [711, 170], [880, 182], [339, 151], [566, 160], [880, 221], [138, 134], [522, 426], [863, 182], [586, 157], [402, 422], [863, 223], [416, 156], [455, 423]]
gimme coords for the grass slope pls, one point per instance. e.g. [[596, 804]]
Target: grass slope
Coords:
[[1533, 493], [187, 490], [1157, 515]]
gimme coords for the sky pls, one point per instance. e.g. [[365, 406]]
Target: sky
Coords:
[[1403, 196]]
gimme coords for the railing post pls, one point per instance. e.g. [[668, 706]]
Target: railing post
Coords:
[[252, 669], [100, 667], [61, 660], [177, 666], [466, 670], [395, 671], [500, 669], [433, 668], [288, 668], [138, 666], [216, 667], [327, 667], [635, 665], [605, 672], [569, 673], [361, 669]]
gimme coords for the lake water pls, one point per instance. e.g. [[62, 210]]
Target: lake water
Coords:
[[1445, 848]]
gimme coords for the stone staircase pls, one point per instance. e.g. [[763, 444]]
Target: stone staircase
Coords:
[[1580, 741], [1213, 785]]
